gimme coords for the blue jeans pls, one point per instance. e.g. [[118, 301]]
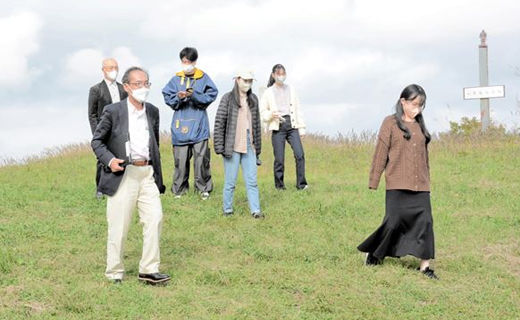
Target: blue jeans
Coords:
[[231, 165]]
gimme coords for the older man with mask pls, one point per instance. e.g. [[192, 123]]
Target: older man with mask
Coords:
[[106, 92], [126, 142]]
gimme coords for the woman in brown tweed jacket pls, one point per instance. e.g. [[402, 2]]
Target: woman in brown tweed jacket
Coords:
[[402, 153]]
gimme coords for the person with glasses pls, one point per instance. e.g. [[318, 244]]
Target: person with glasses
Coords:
[[126, 142], [189, 93], [102, 94], [402, 153]]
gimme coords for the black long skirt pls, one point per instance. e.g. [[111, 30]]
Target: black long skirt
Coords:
[[407, 228]]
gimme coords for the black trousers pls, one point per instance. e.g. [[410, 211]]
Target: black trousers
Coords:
[[278, 138], [182, 156]]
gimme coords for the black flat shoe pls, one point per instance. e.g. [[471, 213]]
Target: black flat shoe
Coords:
[[117, 281], [429, 273], [372, 261], [154, 278], [227, 214]]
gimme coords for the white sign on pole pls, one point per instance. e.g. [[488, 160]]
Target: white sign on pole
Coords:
[[484, 92]]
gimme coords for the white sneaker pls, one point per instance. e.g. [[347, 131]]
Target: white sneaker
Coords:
[[204, 195]]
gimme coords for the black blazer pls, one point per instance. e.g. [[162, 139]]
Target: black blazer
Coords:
[[98, 98], [109, 140]]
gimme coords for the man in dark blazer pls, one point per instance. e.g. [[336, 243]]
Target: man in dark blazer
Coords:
[[126, 143], [106, 92]]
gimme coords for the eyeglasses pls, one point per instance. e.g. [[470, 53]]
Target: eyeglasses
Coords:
[[140, 84]]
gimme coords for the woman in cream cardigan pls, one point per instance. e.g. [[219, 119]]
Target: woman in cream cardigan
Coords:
[[280, 111]]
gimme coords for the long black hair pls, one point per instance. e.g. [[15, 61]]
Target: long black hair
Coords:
[[410, 93], [236, 94], [271, 78]]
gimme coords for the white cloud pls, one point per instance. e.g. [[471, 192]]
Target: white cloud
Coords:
[[327, 118], [18, 40], [221, 64], [343, 57], [83, 67], [413, 73], [281, 22], [232, 20], [73, 127], [325, 69], [125, 58], [409, 21]]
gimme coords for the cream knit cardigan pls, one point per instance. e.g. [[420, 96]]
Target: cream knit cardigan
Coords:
[[268, 106]]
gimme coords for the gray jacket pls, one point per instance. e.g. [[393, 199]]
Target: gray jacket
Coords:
[[226, 123]]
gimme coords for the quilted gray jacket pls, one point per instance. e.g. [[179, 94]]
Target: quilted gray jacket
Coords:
[[226, 123]]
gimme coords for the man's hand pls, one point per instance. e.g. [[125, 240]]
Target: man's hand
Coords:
[[115, 165], [182, 94]]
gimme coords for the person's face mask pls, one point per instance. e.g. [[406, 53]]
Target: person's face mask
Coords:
[[413, 113], [141, 94], [112, 75], [413, 108], [244, 86], [187, 68], [280, 79]]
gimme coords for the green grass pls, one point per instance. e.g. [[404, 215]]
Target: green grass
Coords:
[[300, 262]]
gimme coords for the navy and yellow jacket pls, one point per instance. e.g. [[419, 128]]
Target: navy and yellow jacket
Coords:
[[190, 122]]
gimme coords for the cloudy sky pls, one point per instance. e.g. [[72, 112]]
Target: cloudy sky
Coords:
[[349, 60]]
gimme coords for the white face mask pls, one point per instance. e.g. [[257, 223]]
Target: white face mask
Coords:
[[244, 86], [187, 67], [280, 79], [112, 75], [411, 110], [141, 94]]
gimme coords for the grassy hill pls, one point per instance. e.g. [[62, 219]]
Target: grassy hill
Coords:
[[300, 262]]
